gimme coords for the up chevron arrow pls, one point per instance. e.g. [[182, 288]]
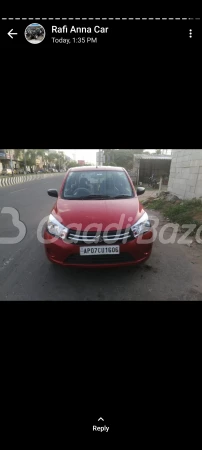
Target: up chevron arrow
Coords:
[[100, 419]]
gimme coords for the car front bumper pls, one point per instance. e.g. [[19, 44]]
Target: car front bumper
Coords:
[[131, 253]]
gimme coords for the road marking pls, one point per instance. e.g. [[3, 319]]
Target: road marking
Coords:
[[13, 192]]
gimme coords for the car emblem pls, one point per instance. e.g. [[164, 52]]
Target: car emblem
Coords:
[[100, 239]]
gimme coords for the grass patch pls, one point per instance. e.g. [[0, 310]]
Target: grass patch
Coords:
[[180, 211]]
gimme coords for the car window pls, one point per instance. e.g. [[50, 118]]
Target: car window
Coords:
[[97, 184]]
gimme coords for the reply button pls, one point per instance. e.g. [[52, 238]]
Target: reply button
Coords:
[[101, 429]]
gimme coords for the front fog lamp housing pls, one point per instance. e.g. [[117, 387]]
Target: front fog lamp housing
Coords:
[[143, 225], [56, 228]]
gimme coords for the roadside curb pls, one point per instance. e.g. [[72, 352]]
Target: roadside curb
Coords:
[[8, 181]]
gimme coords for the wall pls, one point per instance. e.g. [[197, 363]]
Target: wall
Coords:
[[185, 179]]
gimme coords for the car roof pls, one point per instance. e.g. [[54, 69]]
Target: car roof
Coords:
[[87, 168]]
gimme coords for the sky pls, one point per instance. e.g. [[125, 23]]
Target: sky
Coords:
[[88, 155]]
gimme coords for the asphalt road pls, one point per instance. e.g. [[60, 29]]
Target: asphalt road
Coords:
[[173, 272]]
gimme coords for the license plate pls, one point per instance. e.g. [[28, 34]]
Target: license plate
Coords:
[[102, 250]]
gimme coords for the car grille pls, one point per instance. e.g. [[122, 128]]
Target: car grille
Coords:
[[97, 259], [110, 237]]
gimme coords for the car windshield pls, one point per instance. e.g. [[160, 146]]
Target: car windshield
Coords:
[[97, 184]]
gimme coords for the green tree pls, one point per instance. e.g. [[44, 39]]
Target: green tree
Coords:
[[52, 158], [30, 157], [61, 160], [41, 152], [72, 164], [18, 153], [121, 157]]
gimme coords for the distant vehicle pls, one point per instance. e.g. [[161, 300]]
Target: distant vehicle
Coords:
[[6, 171], [153, 182], [18, 171]]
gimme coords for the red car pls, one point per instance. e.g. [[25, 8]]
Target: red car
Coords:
[[97, 220]]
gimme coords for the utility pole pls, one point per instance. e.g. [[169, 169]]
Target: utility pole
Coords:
[[25, 163], [11, 159], [60, 158], [100, 157]]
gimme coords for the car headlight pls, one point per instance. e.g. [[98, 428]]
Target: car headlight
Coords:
[[56, 228], [143, 225]]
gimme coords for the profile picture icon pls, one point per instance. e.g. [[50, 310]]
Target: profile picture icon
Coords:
[[35, 33]]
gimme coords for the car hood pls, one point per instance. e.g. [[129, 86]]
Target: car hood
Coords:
[[119, 213]]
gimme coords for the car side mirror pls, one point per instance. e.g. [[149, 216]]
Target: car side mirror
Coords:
[[140, 190], [53, 192]]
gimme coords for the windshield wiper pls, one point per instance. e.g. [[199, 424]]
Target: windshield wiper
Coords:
[[93, 196], [98, 197], [122, 196]]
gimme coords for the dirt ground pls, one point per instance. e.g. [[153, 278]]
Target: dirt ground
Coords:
[[188, 278]]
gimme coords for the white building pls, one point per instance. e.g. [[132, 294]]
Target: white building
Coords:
[[6, 158], [166, 151], [185, 178]]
